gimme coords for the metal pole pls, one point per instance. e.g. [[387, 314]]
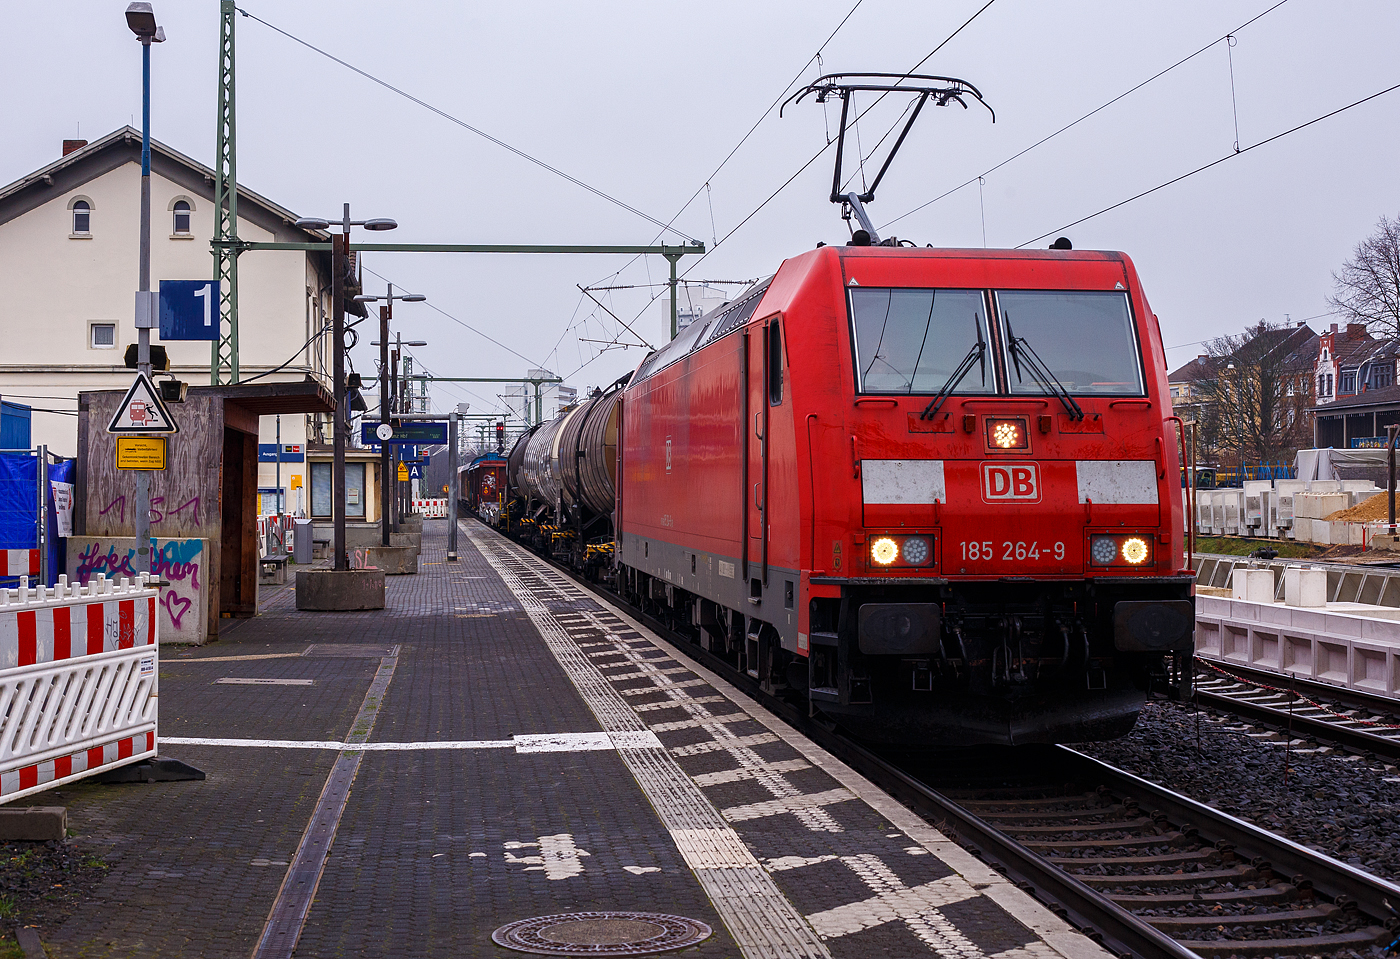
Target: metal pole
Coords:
[[672, 260], [281, 535], [340, 266], [1390, 456], [384, 477], [452, 487], [42, 471], [539, 410], [141, 511]]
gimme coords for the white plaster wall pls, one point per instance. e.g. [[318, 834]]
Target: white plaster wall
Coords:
[[56, 285]]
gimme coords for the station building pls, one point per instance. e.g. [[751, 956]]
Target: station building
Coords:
[[69, 259]]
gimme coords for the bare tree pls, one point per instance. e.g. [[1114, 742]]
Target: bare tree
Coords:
[[1252, 408], [1367, 289]]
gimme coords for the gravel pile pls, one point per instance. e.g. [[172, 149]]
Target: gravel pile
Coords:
[[1346, 807]]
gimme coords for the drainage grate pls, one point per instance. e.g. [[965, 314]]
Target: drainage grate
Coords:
[[601, 934], [349, 650]]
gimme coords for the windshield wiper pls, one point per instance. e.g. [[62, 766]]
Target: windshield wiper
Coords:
[[1041, 372], [978, 354]]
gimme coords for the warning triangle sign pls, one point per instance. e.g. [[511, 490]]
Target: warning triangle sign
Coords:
[[141, 411]]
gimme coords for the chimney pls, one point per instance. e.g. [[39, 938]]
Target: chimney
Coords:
[[71, 145], [1356, 331], [1334, 327]]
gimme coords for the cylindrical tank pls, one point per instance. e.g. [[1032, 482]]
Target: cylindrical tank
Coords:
[[516, 461], [588, 453], [537, 478]]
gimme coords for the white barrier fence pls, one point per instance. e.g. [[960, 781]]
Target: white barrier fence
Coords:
[[19, 562], [431, 508], [78, 683]]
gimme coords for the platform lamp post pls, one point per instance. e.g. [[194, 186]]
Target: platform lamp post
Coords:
[[142, 21], [385, 431], [340, 271]]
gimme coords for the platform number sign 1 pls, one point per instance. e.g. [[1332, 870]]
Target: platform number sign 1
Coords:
[[189, 309]]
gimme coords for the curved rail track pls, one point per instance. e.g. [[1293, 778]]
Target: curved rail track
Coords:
[[1303, 708], [1145, 871]]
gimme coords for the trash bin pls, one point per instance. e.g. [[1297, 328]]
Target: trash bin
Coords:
[[301, 541]]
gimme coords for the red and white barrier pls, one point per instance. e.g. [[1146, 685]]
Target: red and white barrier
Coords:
[[19, 562], [431, 508], [77, 681]]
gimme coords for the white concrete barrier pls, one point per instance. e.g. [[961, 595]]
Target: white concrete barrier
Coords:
[[78, 669], [1353, 645]]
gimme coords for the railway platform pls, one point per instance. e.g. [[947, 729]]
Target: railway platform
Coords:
[[499, 745]]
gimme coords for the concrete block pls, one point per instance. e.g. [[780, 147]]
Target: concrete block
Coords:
[[393, 560], [411, 523], [1302, 530], [1305, 587], [328, 590], [33, 824], [1254, 585]]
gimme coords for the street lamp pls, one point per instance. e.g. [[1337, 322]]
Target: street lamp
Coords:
[[142, 21], [340, 269], [386, 312]]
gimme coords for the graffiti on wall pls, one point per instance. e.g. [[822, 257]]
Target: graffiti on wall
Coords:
[[177, 562], [157, 514]]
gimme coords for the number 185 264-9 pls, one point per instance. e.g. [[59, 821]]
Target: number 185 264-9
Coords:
[[1008, 551]]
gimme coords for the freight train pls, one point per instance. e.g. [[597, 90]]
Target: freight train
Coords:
[[934, 492]]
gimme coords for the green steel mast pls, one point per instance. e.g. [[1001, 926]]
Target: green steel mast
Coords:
[[223, 360]]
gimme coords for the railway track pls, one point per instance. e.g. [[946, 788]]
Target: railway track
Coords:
[[1145, 871], [1302, 708]]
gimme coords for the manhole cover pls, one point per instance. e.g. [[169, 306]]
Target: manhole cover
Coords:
[[601, 934]]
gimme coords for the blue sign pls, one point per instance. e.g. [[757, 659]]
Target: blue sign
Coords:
[[413, 433], [189, 309], [415, 472], [291, 453]]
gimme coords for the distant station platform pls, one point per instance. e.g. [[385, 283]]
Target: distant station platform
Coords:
[[495, 747]]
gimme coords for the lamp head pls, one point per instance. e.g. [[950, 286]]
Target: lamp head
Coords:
[[312, 223], [365, 298], [413, 298], [142, 21], [379, 224], [415, 342]]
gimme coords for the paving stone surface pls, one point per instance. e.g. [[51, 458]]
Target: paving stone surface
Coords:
[[436, 847]]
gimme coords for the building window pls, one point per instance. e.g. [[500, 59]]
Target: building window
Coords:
[[102, 336], [181, 210], [82, 217], [355, 492], [1329, 384], [1382, 376], [1321, 384], [1348, 381]]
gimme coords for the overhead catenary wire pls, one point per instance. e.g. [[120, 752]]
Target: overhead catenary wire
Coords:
[[1075, 122], [1201, 169], [467, 126]]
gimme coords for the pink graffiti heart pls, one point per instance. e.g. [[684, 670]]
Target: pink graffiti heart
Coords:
[[170, 601]]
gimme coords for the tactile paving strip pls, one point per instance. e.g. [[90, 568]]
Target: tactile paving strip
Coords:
[[856, 884]]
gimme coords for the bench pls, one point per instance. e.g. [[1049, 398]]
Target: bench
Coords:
[[272, 570]]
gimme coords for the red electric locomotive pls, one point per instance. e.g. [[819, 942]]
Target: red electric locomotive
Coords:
[[934, 491], [482, 486]]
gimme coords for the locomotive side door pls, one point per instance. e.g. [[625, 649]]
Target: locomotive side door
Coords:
[[763, 362]]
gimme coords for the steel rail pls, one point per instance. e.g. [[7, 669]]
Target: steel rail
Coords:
[[1326, 730]]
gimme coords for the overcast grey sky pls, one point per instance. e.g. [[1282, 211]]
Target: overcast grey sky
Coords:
[[643, 101]]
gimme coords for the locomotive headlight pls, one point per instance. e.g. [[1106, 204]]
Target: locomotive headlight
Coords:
[[1134, 550], [884, 551], [1103, 550], [916, 551], [1007, 434]]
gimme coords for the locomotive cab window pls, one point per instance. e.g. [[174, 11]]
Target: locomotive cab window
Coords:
[[775, 364], [921, 341], [1085, 341]]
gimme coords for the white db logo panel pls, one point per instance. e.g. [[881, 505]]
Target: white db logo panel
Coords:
[[1011, 482]]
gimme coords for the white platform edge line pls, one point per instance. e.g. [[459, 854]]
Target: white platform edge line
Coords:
[[1054, 931]]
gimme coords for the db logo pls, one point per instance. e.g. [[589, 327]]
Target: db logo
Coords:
[[1003, 482]]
